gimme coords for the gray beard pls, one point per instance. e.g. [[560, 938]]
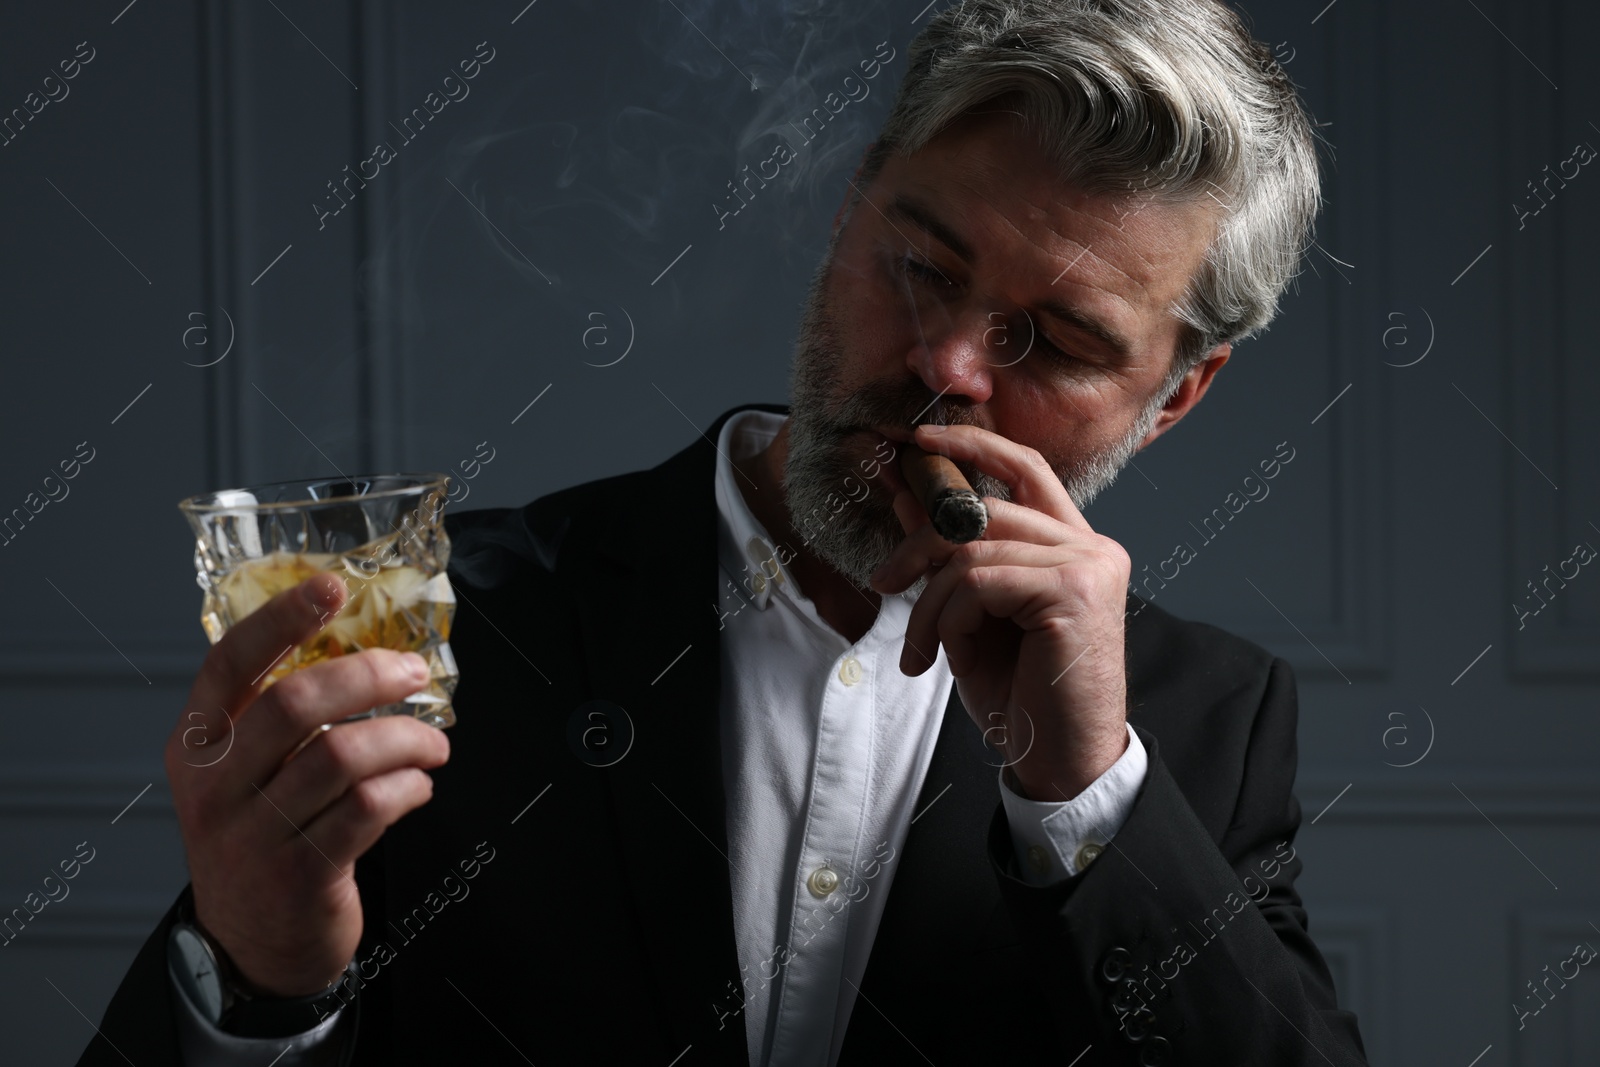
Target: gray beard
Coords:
[[818, 471]]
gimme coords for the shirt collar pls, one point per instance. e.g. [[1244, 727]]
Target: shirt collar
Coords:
[[750, 558]]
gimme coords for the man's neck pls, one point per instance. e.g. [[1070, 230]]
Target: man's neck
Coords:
[[849, 610]]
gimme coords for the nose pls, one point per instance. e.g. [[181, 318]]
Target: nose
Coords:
[[952, 357]]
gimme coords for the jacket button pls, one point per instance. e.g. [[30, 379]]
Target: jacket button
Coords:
[[1137, 1026], [1156, 1052], [1127, 998], [1114, 964]]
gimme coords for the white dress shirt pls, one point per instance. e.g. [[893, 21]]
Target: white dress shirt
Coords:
[[825, 746]]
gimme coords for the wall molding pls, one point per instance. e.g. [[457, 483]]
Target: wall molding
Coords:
[[1358, 431], [1541, 937], [1530, 795], [1545, 326], [1356, 942], [101, 921], [39, 791], [82, 664]]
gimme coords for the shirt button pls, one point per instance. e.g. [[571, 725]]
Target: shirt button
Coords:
[[1038, 859], [850, 671], [823, 881], [1087, 854]]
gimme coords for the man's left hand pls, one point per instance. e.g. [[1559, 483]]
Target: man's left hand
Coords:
[[1030, 616]]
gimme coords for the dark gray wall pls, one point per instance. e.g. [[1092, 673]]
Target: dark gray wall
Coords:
[[162, 211]]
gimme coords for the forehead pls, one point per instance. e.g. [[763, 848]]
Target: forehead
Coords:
[[1126, 256]]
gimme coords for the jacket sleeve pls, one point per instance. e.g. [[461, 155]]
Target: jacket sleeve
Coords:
[[148, 1014], [140, 1025], [1192, 950], [147, 1023]]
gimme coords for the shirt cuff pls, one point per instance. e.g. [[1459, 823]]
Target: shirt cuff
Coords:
[[1055, 840], [203, 1045]]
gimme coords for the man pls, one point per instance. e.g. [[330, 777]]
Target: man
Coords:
[[891, 799]]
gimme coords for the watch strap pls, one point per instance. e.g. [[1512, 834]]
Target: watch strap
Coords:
[[267, 1016], [247, 1012]]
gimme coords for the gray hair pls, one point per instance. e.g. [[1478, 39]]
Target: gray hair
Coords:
[[1172, 98]]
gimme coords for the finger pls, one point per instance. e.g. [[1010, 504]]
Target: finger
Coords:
[[357, 819], [922, 628], [924, 547], [1032, 481], [335, 760], [283, 717], [256, 642], [911, 514], [1022, 595]]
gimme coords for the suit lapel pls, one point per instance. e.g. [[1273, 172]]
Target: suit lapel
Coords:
[[652, 642], [942, 864], [943, 903]]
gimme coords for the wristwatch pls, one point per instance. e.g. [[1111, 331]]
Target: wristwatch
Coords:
[[223, 998]]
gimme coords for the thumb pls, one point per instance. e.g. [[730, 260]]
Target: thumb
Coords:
[[910, 513]]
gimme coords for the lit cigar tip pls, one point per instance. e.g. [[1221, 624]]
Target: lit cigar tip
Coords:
[[960, 516]]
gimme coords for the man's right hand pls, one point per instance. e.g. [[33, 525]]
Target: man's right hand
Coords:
[[272, 840]]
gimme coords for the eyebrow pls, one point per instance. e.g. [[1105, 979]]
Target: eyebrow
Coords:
[[920, 216], [923, 218]]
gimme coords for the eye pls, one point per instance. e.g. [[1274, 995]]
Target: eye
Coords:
[[922, 270], [1051, 351], [1055, 353]]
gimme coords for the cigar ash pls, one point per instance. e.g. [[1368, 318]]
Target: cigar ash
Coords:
[[956, 510]]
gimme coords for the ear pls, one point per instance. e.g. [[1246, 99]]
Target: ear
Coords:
[[849, 189], [1190, 390]]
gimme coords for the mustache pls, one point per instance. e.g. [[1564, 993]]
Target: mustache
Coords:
[[905, 407], [902, 407]]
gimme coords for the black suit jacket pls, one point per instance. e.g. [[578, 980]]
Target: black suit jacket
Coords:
[[600, 930]]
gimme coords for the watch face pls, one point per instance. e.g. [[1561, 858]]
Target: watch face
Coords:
[[196, 969]]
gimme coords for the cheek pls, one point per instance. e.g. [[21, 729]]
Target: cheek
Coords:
[[1035, 414], [1093, 407], [872, 324], [1029, 409]]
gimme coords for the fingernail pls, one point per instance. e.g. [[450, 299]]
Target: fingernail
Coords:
[[416, 665], [932, 428], [318, 594]]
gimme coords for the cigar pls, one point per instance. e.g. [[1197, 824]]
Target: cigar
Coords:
[[957, 511]]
